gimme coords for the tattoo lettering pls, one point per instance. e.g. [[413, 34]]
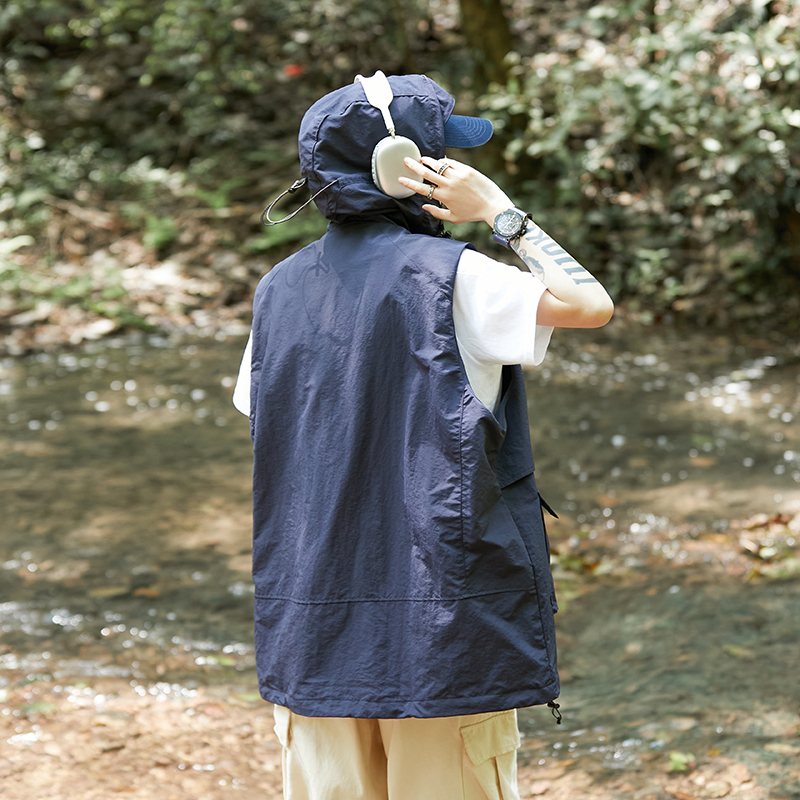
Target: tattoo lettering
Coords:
[[536, 237], [532, 264]]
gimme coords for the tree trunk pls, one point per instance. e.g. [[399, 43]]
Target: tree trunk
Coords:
[[485, 26]]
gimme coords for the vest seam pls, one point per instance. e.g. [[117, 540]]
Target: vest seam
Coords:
[[360, 698], [406, 599], [461, 491]]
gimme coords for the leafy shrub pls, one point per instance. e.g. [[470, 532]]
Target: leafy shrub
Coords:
[[666, 137]]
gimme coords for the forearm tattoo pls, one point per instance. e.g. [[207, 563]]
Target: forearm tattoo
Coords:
[[536, 239]]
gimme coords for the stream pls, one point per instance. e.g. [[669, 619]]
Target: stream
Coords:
[[671, 457]]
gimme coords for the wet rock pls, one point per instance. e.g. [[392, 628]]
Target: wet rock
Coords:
[[784, 748], [775, 723], [714, 789]]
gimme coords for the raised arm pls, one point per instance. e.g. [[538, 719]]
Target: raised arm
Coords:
[[574, 297]]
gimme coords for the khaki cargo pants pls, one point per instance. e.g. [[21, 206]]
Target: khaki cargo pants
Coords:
[[444, 758]]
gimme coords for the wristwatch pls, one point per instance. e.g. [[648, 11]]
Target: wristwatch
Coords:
[[510, 225]]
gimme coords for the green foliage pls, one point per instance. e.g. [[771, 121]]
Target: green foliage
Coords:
[[184, 77], [659, 140], [675, 135], [303, 229], [107, 99], [8, 246], [680, 762], [219, 196], [160, 232]]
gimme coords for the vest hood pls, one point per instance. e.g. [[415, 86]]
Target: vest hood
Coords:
[[339, 132]]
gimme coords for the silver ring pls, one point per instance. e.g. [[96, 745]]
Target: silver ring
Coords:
[[430, 191], [442, 169]]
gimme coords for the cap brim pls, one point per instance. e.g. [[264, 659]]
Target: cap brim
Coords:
[[467, 131]]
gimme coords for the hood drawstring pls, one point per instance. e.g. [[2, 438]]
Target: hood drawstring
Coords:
[[298, 184], [553, 706]]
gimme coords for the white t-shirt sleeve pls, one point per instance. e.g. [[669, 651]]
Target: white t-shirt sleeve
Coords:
[[241, 392], [494, 310]]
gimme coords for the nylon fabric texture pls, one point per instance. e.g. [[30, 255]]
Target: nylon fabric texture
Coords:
[[400, 559]]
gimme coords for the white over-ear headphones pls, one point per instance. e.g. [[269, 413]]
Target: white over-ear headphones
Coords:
[[388, 155]]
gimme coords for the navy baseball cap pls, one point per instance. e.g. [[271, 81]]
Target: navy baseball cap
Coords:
[[467, 131]]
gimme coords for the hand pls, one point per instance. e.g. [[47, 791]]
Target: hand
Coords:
[[468, 195]]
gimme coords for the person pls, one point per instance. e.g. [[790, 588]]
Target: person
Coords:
[[403, 596]]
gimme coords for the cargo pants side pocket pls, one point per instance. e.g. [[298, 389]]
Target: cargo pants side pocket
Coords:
[[491, 742]]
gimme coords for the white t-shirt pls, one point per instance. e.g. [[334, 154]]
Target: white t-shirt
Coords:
[[494, 314]]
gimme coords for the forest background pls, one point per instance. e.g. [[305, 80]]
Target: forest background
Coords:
[[658, 140]]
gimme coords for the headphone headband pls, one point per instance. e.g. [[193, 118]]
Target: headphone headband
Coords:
[[379, 95]]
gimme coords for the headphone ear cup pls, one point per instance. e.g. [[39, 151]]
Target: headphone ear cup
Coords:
[[388, 166]]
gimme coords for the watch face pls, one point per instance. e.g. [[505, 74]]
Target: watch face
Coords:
[[508, 223]]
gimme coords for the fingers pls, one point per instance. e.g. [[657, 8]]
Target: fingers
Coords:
[[439, 166], [462, 193], [439, 212], [420, 188], [430, 170], [441, 182], [417, 167]]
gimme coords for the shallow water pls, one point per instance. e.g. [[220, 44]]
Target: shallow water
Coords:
[[126, 509], [624, 415], [125, 527]]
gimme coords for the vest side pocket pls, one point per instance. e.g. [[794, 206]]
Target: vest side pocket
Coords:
[[545, 506], [497, 555], [525, 505]]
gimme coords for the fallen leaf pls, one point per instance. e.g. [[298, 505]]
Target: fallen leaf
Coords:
[[679, 794], [748, 546], [606, 500], [247, 698], [703, 461], [147, 591], [739, 772], [714, 789]]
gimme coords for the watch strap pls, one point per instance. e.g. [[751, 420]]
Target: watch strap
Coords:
[[505, 239]]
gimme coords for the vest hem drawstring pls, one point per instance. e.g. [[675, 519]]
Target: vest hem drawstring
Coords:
[[553, 706]]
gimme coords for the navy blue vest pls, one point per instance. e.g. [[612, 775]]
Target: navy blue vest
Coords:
[[400, 560]]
